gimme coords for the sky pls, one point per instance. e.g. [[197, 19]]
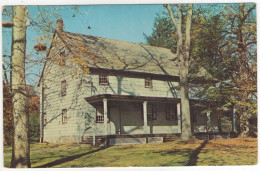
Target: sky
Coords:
[[120, 22]]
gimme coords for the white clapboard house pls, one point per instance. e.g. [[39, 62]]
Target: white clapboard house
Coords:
[[114, 91]]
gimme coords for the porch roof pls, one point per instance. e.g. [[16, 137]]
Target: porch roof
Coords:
[[100, 97]]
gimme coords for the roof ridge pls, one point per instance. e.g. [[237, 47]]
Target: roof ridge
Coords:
[[77, 34]]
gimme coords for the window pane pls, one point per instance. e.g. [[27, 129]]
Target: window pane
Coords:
[[171, 111], [103, 79], [148, 82], [44, 118], [99, 114], [63, 88], [64, 116]]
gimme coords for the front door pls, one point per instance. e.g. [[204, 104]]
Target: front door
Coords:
[[115, 121]]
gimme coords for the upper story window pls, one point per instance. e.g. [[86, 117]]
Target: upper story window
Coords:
[[99, 114], [64, 116], [103, 79], [63, 88], [148, 82], [62, 58], [44, 118], [171, 112], [151, 112], [44, 96]]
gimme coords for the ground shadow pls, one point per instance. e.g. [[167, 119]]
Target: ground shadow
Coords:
[[67, 159], [194, 155]]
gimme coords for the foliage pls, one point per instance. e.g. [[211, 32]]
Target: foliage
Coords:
[[7, 114], [34, 126], [215, 48], [176, 153], [163, 34], [34, 110]]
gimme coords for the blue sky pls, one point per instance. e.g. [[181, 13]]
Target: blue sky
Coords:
[[121, 22]]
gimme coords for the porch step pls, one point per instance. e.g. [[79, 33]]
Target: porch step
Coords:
[[124, 141], [155, 139], [170, 138], [89, 140]]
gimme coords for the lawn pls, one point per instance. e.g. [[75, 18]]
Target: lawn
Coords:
[[178, 153]]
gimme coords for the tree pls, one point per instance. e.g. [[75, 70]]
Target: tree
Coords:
[[7, 114], [244, 39], [21, 146], [215, 46], [163, 34], [183, 53]]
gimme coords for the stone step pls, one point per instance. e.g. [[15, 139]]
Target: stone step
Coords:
[[124, 141], [155, 139]]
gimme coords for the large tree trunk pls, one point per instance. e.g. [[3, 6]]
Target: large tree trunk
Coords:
[[21, 146], [184, 75], [243, 74], [183, 53]]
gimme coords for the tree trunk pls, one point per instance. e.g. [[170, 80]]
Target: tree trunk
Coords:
[[183, 53], [184, 84], [219, 116], [243, 74], [21, 146]]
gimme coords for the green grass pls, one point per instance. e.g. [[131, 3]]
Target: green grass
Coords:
[[177, 153]]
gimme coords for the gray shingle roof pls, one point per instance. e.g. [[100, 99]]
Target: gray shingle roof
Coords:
[[121, 55]]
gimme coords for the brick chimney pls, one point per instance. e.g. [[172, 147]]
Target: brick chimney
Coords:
[[60, 24]]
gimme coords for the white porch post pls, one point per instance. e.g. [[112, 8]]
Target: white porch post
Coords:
[[145, 117], [234, 120], [208, 122], [179, 117], [105, 114]]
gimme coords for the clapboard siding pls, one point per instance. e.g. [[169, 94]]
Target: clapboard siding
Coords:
[[82, 115], [134, 86]]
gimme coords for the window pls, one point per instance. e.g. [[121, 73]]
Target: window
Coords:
[[148, 82], [103, 79], [64, 116], [171, 112], [44, 97], [62, 58], [63, 88], [151, 112], [44, 118], [99, 114]]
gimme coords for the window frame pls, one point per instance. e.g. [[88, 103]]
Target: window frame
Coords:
[[103, 79], [44, 118], [62, 60], [44, 95], [171, 112], [148, 82], [99, 114], [151, 115], [63, 88], [64, 114]]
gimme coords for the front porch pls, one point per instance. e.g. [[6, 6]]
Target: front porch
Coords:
[[124, 119], [149, 138], [130, 115]]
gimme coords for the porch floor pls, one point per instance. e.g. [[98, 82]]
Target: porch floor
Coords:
[[124, 139]]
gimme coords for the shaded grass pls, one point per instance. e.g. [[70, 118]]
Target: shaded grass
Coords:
[[178, 153]]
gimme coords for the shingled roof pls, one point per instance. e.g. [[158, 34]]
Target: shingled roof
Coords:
[[121, 55]]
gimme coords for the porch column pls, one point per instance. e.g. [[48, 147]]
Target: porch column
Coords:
[[234, 119], [208, 122], [179, 117], [145, 117], [105, 114]]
